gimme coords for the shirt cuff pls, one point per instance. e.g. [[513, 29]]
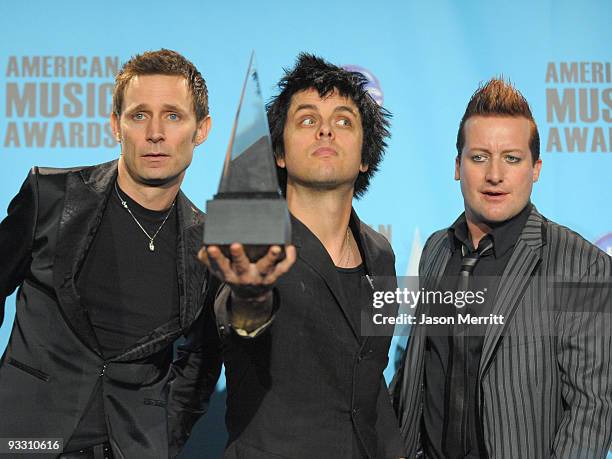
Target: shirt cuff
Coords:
[[245, 334], [259, 330]]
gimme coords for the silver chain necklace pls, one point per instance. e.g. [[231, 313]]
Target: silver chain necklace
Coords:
[[347, 249], [151, 238]]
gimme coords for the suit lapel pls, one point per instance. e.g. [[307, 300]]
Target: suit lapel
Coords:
[[378, 277], [190, 277], [407, 386], [314, 254], [84, 203], [433, 270], [517, 275]]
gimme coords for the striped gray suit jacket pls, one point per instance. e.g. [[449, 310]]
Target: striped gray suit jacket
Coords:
[[545, 377]]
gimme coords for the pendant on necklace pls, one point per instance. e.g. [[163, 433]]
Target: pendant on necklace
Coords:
[[151, 246]]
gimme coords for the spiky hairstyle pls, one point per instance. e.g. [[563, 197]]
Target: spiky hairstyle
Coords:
[[498, 97], [312, 72]]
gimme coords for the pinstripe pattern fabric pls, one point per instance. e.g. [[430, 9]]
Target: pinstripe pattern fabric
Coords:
[[545, 376]]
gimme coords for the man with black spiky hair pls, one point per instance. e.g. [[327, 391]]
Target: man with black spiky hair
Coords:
[[302, 380]]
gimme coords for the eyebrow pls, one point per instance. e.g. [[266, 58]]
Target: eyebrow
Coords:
[[486, 150], [174, 108], [339, 108], [165, 107]]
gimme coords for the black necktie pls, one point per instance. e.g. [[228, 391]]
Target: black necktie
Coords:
[[456, 442]]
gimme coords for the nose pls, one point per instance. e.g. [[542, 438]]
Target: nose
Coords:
[[494, 173], [325, 130], [155, 130]]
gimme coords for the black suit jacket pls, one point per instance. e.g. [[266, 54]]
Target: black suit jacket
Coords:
[[310, 385], [53, 362], [544, 385]]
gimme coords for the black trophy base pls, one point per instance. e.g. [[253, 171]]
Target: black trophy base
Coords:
[[255, 223]]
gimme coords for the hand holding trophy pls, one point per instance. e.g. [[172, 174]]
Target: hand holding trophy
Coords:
[[247, 232]]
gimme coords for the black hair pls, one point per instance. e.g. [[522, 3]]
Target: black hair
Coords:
[[312, 72]]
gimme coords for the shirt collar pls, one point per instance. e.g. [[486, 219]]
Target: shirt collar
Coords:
[[504, 234]]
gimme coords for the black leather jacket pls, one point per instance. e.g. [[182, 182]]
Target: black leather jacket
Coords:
[[53, 362]]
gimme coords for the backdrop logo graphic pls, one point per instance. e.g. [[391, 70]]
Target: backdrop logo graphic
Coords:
[[579, 107], [605, 243], [58, 101], [372, 86]]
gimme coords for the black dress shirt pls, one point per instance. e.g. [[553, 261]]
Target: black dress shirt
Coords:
[[438, 353]]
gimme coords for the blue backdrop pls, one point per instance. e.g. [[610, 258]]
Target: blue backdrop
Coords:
[[56, 65]]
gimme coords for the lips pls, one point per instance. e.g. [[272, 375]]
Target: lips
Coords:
[[494, 195], [323, 152], [155, 159]]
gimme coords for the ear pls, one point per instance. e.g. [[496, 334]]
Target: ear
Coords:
[[115, 128], [458, 168], [202, 130], [537, 167], [280, 160], [363, 168]]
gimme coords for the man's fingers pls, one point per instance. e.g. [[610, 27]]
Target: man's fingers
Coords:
[[283, 266], [291, 254], [240, 261], [240, 271], [203, 256], [220, 264], [266, 264]]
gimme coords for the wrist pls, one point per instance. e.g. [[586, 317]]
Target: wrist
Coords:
[[250, 313], [251, 293]]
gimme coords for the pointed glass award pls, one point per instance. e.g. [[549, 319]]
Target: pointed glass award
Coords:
[[249, 207]]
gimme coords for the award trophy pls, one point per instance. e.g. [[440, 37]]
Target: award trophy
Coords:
[[249, 207]]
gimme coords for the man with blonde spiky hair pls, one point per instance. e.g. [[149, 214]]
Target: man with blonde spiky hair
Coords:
[[534, 383]]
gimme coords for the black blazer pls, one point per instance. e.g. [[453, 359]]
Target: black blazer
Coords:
[[311, 386], [544, 385], [53, 362]]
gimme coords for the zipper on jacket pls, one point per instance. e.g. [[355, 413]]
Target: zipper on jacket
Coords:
[[28, 369]]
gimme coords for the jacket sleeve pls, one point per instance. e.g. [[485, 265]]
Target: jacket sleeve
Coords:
[[224, 314], [16, 235], [196, 371], [584, 358]]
